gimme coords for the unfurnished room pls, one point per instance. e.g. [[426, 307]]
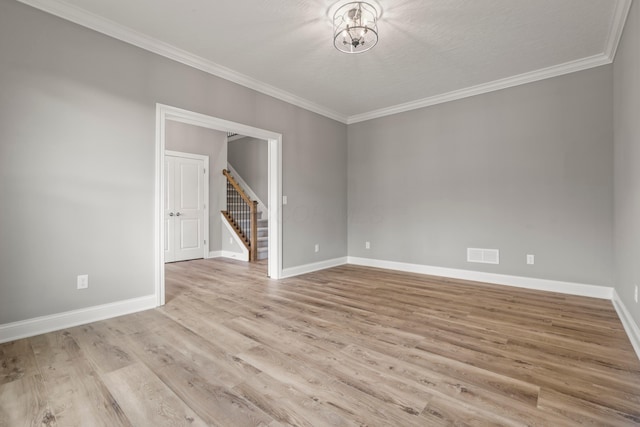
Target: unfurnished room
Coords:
[[319, 213]]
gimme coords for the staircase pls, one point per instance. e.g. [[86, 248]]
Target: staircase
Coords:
[[263, 237], [245, 218], [263, 229]]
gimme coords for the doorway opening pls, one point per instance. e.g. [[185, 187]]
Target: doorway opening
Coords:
[[165, 113], [247, 176]]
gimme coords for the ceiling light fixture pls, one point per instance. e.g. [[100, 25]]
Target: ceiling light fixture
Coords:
[[355, 27]]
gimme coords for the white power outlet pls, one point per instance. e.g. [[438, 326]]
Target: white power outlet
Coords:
[[531, 259], [635, 294], [231, 240], [317, 247], [367, 245], [284, 200], [83, 281]]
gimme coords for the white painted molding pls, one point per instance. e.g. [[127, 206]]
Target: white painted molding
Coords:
[[261, 206], [231, 255], [308, 268], [630, 326], [617, 27], [54, 322], [602, 292], [117, 31], [102, 25], [214, 254], [235, 255], [534, 76]]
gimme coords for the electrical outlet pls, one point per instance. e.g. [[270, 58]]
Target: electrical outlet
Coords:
[[635, 295], [530, 259], [83, 281], [317, 247], [367, 245], [231, 240], [284, 200]]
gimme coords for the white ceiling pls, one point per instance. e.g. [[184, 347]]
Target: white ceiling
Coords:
[[430, 51]]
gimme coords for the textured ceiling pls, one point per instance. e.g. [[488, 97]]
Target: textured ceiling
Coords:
[[427, 48]]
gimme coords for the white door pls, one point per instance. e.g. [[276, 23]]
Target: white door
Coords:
[[184, 209]]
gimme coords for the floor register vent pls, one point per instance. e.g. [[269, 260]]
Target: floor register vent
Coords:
[[484, 256]]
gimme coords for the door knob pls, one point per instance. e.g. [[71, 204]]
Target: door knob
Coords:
[[178, 214], [171, 214]]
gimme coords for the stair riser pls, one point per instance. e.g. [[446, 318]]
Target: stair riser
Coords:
[[263, 253]]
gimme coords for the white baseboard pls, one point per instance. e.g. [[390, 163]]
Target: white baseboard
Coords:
[[235, 255], [228, 254], [214, 254], [54, 322], [602, 292], [308, 268], [630, 326]]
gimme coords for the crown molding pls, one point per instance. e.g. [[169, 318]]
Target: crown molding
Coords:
[[110, 28], [620, 14], [82, 17], [615, 34], [545, 73]]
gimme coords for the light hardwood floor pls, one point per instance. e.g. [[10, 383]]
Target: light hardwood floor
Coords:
[[349, 346]]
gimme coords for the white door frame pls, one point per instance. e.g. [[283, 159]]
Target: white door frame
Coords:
[[205, 196], [166, 112]]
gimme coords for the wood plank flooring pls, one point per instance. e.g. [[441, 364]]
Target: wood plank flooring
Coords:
[[349, 346]]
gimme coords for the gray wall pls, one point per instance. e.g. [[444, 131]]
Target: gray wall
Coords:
[[198, 140], [250, 158], [526, 170], [627, 162], [77, 130]]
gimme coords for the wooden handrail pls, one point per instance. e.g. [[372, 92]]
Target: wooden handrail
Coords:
[[252, 244], [237, 187]]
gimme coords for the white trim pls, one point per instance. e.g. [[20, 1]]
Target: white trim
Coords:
[[602, 292], [205, 196], [630, 326], [533, 76], [54, 322], [615, 34], [230, 255], [274, 183], [235, 255], [244, 252], [117, 31], [125, 34], [161, 117], [261, 206], [308, 268], [166, 112], [187, 156]]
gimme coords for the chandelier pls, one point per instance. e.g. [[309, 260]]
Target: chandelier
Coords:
[[355, 27]]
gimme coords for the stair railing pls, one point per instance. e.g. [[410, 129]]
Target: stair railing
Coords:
[[242, 214]]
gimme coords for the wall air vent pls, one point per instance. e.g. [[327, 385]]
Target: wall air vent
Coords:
[[484, 256]]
